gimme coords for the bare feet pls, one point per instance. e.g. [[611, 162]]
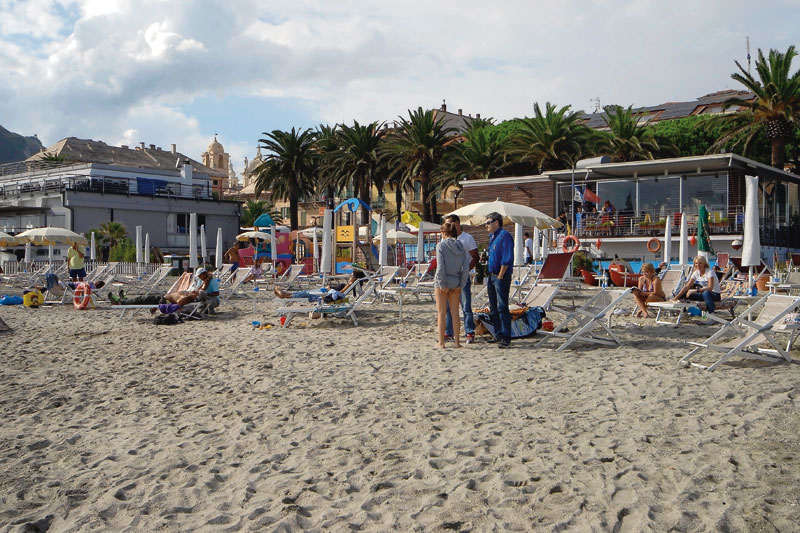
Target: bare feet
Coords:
[[440, 345], [457, 346]]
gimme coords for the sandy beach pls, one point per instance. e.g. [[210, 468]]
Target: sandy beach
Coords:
[[121, 425]]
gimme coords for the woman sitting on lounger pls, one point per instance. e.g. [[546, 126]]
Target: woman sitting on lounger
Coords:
[[333, 292], [703, 285], [649, 290]]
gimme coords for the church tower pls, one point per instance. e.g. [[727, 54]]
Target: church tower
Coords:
[[216, 157]]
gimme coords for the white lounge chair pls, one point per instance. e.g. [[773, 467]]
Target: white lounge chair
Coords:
[[344, 310]]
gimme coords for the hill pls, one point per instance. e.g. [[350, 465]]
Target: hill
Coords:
[[15, 147]]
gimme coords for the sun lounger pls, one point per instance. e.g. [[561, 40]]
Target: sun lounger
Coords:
[[749, 334], [585, 321], [728, 302], [343, 310]]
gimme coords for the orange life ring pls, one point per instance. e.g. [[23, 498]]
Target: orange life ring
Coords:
[[574, 247], [653, 245], [83, 296]]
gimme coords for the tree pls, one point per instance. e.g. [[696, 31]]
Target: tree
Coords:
[[552, 140], [626, 140], [359, 160], [775, 108], [288, 169], [255, 208], [112, 232], [325, 147], [415, 151]]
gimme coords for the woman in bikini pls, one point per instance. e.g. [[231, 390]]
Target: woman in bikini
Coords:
[[649, 290]]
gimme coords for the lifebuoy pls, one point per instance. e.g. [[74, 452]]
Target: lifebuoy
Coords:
[[653, 245], [83, 296], [576, 243]]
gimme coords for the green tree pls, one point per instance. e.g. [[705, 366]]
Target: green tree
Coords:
[[775, 110], [123, 250], [552, 140], [415, 150], [112, 232], [359, 160], [255, 208], [626, 140], [325, 147], [288, 168]]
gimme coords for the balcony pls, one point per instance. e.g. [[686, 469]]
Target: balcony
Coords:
[[652, 224]]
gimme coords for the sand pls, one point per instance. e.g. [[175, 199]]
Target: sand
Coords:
[[121, 425]]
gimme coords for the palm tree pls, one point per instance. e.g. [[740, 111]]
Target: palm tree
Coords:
[[288, 168], [415, 151], [325, 147], [112, 232], [552, 140], [775, 108], [359, 161], [254, 209], [627, 140]]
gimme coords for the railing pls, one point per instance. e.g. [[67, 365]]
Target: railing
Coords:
[[11, 268], [106, 185], [653, 223]]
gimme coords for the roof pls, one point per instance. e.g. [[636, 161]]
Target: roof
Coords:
[[672, 110], [452, 120], [91, 151]]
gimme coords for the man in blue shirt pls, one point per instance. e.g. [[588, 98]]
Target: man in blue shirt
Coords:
[[501, 261]]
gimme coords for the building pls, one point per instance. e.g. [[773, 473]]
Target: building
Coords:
[[646, 194], [222, 174], [95, 183]]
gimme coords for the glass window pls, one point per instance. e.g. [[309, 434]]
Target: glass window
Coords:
[[417, 191], [621, 194], [709, 190], [659, 197]]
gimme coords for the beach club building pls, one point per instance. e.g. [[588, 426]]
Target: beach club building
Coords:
[[645, 194], [97, 183]]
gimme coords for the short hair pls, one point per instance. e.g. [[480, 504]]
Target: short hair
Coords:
[[358, 274], [526, 234], [453, 218], [449, 229], [495, 216]]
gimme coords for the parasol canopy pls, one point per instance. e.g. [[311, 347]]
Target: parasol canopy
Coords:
[[51, 236], [259, 235], [427, 227], [397, 237], [475, 214], [7, 240]]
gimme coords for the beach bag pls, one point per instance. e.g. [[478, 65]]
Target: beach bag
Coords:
[[166, 320], [11, 300], [32, 298], [524, 322]]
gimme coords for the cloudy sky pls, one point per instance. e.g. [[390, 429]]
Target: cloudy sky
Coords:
[[180, 71]]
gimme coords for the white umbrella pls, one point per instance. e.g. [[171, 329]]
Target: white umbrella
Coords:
[[273, 247], [259, 235], [683, 250], [427, 227], [138, 244], [421, 247], [27, 252], [397, 237], [92, 253], [49, 236], [383, 251], [193, 241], [327, 225], [50, 253], [310, 232], [475, 214], [220, 253], [146, 251], [203, 243], [751, 247], [7, 240], [316, 250], [519, 245], [545, 244], [537, 243], [668, 240]]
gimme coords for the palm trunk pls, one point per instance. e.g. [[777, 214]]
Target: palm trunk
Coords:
[[294, 200], [426, 203], [778, 152], [364, 196], [398, 200]]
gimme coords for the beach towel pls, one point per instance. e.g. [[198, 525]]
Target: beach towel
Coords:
[[524, 322]]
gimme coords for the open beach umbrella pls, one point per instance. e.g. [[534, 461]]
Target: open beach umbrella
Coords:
[[384, 248], [704, 247], [751, 247], [92, 249], [312, 231], [327, 247], [258, 235], [138, 244], [50, 236], [219, 252], [683, 249], [203, 243], [7, 240], [397, 237], [475, 214], [668, 240], [519, 245], [427, 227], [193, 241]]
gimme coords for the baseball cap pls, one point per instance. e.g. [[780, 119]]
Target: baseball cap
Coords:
[[200, 271]]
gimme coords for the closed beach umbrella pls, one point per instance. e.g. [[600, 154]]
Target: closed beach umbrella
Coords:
[[704, 247], [27, 252], [316, 251], [273, 246], [203, 243], [537, 243], [146, 251], [475, 214], [50, 253], [668, 240], [384, 247], [420, 246], [92, 254], [220, 253], [519, 245], [545, 244], [193, 241], [751, 247], [138, 244], [683, 250], [327, 226]]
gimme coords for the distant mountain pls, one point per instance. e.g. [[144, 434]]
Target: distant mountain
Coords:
[[15, 147]]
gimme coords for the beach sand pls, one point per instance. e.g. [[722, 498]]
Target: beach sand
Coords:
[[121, 425]]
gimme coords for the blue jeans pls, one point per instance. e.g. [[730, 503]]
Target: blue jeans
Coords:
[[708, 297], [466, 307], [498, 290]]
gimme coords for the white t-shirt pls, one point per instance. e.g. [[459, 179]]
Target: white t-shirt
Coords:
[[707, 279], [469, 243], [528, 247]]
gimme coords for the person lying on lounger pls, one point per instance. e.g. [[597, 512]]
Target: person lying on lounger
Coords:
[[206, 289], [333, 292]]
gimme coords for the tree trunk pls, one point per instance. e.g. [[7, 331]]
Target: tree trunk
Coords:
[[294, 200], [364, 195], [398, 200], [778, 152], [426, 204]]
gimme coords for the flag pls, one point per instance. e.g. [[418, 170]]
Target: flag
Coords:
[[589, 196], [577, 196]]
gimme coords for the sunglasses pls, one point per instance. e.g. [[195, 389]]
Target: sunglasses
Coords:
[[488, 222]]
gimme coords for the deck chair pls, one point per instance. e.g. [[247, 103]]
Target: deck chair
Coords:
[[791, 283], [722, 260], [728, 302], [290, 277], [749, 334], [593, 315], [343, 310], [541, 295], [234, 283], [183, 283]]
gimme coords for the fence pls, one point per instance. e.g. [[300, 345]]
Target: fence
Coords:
[[125, 269]]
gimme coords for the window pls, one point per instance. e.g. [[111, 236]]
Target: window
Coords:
[[659, 197], [219, 161], [285, 213], [181, 226], [709, 190], [621, 194], [417, 191]]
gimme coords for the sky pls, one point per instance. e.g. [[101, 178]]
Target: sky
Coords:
[[178, 71]]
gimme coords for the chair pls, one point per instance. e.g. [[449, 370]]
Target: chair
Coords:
[[588, 318], [290, 277], [183, 283], [722, 260], [541, 295], [234, 282], [792, 282], [748, 334], [553, 271], [728, 302], [343, 310]]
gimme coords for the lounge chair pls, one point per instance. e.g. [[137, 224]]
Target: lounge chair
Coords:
[[748, 334], [728, 302], [234, 283], [583, 322], [290, 277], [343, 310], [541, 295], [791, 283]]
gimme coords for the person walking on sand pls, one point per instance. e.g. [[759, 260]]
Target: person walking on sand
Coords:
[[75, 263], [501, 259], [452, 272], [232, 255], [471, 248]]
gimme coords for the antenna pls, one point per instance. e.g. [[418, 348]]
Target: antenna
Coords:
[[747, 40], [596, 101]]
